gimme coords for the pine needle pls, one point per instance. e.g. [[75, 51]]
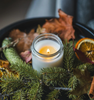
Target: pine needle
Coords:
[[54, 76], [10, 84], [35, 91], [19, 95], [53, 95], [69, 57]]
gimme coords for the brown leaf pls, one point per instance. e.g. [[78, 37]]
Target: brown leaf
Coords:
[[5, 65], [16, 33], [62, 26], [26, 39], [84, 81], [83, 75]]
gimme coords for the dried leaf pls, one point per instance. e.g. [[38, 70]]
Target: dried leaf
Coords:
[[40, 30], [84, 81], [27, 56], [26, 39], [62, 26], [4, 64], [16, 33], [82, 56]]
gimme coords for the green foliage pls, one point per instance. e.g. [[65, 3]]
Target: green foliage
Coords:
[[74, 97], [91, 99], [90, 68], [11, 81], [35, 91], [18, 95], [53, 95], [69, 57], [73, 83], [29, 85], [10, 53], [26, 71], [54, 76], [80, 82]]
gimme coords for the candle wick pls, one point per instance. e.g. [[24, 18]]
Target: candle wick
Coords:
[[48, 51]]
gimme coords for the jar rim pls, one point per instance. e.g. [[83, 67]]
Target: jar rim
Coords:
[[46, 35]]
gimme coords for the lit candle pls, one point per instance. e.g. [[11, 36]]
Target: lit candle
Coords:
[[47, 51]]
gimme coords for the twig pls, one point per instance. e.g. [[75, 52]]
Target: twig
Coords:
[[11, 44], [61, 88]]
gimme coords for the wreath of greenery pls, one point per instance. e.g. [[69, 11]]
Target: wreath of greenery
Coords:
[[50, 83]]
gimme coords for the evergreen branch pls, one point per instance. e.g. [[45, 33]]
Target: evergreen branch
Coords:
[[17, 63], [19, 95], [20, 89], [80, 82], [73, 83], [10, 84], [35, 91], [82, 74], [53, 95], [73, 97], [69, 57], [26, 71], [5, 98], [29, 85], [89, 67], [54, 76]]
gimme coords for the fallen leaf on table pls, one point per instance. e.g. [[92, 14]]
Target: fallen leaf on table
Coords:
[[62, 26]]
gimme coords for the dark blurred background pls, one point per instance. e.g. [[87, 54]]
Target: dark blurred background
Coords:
[[15, 10]]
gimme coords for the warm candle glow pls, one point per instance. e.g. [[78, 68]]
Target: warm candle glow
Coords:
[[47, 50]]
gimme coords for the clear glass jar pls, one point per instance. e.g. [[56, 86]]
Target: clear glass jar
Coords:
[[40, 60]]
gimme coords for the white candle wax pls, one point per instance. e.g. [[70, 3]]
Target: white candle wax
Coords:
[[39, 62]]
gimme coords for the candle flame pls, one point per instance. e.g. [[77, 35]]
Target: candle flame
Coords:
[[48, 51]]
